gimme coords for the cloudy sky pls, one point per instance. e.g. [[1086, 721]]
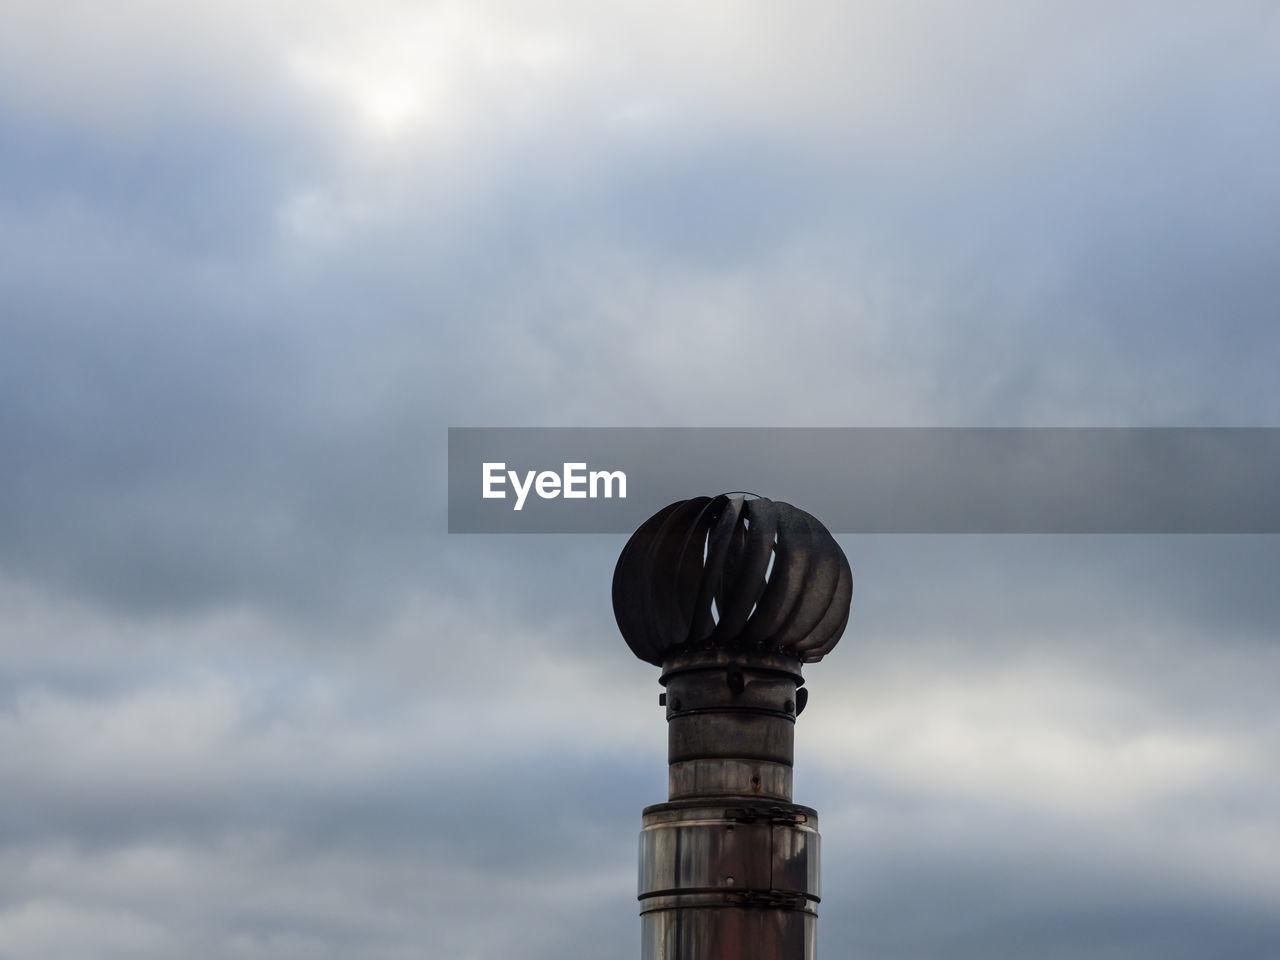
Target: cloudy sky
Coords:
[[257, 257]]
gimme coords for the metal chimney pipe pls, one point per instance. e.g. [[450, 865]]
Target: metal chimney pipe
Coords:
[[729, 596]]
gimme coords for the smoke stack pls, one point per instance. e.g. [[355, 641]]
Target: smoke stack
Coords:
[[729, 596]]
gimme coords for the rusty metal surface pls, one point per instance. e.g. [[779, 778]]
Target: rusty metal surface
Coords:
[[726, 932], [728, 881], [750, 850], [727, 571], [724, 776], [705, 855]]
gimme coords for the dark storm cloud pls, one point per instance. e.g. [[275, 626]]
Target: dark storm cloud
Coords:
[[725, 202], [237, 324], [978, 875], [199, 190], [585, 805], [989, 880], [1215, 586], [218, 423]]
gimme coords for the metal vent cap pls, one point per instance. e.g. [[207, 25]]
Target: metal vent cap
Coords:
[[728, 571]]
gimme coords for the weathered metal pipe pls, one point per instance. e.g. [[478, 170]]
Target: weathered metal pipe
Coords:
[[730, 596]]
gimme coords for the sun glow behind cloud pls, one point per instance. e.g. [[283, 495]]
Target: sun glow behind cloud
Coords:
[[429, 72], [253, 701]]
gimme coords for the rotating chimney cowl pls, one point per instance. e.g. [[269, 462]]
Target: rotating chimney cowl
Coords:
[[729, 596]]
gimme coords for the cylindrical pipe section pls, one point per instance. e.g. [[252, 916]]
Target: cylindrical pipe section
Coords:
[[729, 866], [731, 723], [721, 882], [763, 779]]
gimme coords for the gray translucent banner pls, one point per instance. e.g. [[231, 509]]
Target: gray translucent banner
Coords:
[[874, 480]]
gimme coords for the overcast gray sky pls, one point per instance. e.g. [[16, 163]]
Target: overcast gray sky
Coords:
[[256, 258]]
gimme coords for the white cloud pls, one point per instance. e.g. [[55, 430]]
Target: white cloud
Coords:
[[59, 931], [1036, 734]]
